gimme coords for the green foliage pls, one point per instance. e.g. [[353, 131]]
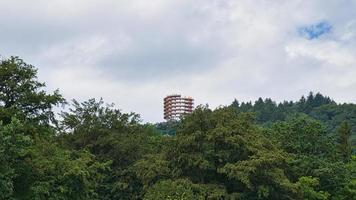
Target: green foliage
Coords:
[[21, 95], [225, 147], [13, 146], [61, 174], [184, 189], [172, 190], [167, 128], [333, 115], [308, 185], [39, 169], [349, 189], [344, 146], [317, 106], [106, 132], [151, 169], [313, 152], [296, 150], [115, 137], [303, 136]]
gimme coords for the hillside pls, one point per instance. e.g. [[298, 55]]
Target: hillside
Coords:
[[94, 151], [317, 106]]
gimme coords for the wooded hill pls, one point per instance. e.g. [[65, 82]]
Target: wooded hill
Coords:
[[316, 106], [94, 151]]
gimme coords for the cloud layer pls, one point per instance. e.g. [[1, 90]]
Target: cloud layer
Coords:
[[133, 53]]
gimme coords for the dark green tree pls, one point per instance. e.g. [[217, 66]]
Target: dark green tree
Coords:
[[183, 189], [313, 152], [22, 95], [13, 146], [308, 190], [33, 165], [226, 149], [112, 136], [344, 146], [249, 151]]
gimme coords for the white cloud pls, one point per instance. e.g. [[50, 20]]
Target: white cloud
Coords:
[[330, 52], [134, 52]]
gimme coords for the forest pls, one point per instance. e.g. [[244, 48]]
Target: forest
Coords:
[[93, 151]]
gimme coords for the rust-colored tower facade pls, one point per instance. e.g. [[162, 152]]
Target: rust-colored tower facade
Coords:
[[175, 106]]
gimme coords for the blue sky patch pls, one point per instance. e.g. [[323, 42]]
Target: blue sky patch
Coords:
[[314, 31]]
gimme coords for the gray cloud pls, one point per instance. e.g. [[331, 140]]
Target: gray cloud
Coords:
[[133, 53]]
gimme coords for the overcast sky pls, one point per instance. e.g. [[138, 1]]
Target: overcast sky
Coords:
[[135, 52]]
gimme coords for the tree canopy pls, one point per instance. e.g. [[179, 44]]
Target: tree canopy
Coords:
[[248, 151]]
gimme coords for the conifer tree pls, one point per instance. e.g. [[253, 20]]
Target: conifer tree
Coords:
[[344, 133]]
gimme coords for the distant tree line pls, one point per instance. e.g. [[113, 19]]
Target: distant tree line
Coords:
[[317, 106], [293, 150]]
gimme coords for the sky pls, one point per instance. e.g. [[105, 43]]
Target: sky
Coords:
[[135, 52]]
